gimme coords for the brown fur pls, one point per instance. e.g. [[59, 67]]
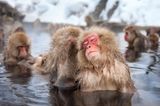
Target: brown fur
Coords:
[[153, 30], [109, 72], [15, 40], [136, 41], [12, 61], [154, 39], [2, 40], [62, 62], [40, 63]]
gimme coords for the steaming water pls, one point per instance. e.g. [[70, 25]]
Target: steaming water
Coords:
[[34, 91]]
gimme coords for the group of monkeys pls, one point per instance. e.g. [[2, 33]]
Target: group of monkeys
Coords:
[[138, 42], [88, 59]]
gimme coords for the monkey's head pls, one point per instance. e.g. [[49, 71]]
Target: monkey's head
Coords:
[[62, 61], [96, 45], [19, 45], [64, 41], [130, 33], [151, 31]]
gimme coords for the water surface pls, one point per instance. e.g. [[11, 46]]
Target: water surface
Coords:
[[34, 90]]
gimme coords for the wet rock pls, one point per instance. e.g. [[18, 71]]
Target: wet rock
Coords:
[[8, 13]]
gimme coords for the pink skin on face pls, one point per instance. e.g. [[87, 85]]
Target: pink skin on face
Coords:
[[90, 45], [126, 36], [22, 51]]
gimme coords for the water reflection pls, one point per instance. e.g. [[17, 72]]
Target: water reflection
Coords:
[[156, 61], [131, 55], [97, 98]]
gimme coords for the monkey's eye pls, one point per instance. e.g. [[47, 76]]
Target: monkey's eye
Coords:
[[85, 43], [26, 47], [19, 46], [93, 39]]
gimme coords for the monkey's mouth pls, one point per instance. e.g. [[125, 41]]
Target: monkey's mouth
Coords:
[[91, 52]]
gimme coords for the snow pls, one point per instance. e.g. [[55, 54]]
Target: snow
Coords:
[[140, 12]]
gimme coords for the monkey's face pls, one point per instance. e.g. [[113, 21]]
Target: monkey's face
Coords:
[[22, 51], [90, 46], [129, 35], [19, 45], [126, 36]]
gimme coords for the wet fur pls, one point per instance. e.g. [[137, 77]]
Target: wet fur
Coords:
[[62, 62], [110, 71], [11, 59], [137, 41], [15, 40]]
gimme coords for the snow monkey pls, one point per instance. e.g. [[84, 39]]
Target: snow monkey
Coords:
[[62, 61], [101, 65], [17, 54]]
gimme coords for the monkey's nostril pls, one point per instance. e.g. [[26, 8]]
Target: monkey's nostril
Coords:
[[89, 46]]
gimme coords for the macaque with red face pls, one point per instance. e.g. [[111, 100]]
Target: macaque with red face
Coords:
[[136, 41], [17, 54], [101, 65]]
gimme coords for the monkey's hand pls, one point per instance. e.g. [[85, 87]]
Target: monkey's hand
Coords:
[[24, 64], [31, 60]]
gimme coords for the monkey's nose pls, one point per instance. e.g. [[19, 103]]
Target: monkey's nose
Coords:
[[89, 46]]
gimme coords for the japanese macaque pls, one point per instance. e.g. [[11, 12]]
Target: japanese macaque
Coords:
[[61, 61], [40, 63], [101, 65], [154, 38], [17, 54], [153, 30], [136, 41]]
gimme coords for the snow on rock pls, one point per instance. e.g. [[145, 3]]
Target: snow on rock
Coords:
[[140, 12]]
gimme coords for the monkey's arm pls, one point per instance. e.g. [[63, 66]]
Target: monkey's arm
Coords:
[[10, 61]]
